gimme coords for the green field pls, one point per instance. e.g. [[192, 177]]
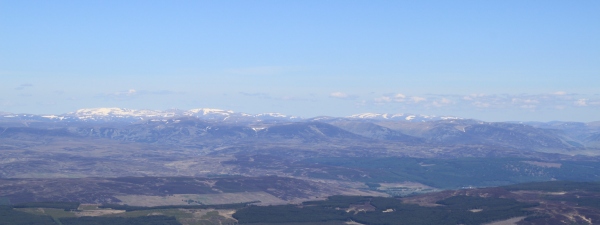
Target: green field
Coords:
[[446, 173], [454, 210]]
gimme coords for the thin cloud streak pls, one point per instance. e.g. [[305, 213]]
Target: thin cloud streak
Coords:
[[267, 96], [556, 100], [23, 86], [259, 70], [342, 95], [131, 93]]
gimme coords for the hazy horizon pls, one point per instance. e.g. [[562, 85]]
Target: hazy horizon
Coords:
[[492, 61]]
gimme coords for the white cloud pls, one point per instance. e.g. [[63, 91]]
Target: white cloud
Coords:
[[472, 97], [417, 99], [442, 102], [546, 101], [7, 103], [525, 101], [267, 96], [342, 95], [482, 104], [581, 102], [129, 92], [399, 97], [560, 93], [383, 99], [133, 93], [338, 95], [121, 95], [528, 106]]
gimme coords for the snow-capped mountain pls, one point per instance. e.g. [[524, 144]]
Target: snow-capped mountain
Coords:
[[118, 112], [133, 115], [400, 117], [207, 111]]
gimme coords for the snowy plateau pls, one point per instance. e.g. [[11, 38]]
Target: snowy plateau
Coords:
[[132, 115]]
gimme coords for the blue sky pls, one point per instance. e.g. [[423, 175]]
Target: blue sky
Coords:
[[489, 60]]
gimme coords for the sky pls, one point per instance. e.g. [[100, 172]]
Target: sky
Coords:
[[488, 60]]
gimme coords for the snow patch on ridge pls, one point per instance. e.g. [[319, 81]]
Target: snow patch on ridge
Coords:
[[207, 111], [133, 115], [399, 116], [271, 115]]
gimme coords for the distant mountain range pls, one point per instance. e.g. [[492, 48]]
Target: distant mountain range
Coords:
[[441, 152], [133, 115], [388, 131]]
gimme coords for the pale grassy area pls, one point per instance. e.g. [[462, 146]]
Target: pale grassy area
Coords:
[[544, 164], [511, 221], [179, 213], [405, 188], [185, 216], [363, 193], [209, 216], [98, 212], [227, 213], [410, 185], [113, 159], [353, 223], [88, 206], [55, 213], [584, 152], [206, 199]]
